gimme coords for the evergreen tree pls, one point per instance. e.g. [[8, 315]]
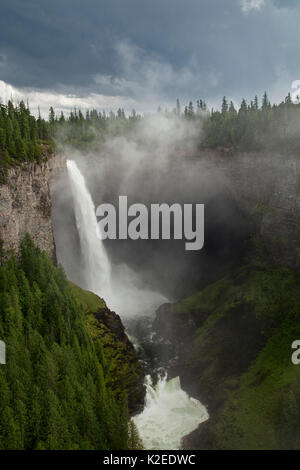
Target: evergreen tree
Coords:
[[53, 392], [224, 105]]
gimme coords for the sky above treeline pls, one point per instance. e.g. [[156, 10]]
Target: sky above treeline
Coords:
[[141, 54]]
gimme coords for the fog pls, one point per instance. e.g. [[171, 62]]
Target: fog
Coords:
[[158, 162]]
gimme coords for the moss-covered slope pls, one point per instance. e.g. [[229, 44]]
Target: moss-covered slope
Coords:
[[235, 355], [122, 369]]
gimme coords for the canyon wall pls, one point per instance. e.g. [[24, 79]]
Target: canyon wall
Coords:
[[230, 343], [266, 188], [25, 204]]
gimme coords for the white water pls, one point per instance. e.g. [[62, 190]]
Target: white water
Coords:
[[96, 264], [169, 413], [168, 416], [120, 288]]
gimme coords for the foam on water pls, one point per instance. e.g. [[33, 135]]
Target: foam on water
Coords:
[[169, 415]]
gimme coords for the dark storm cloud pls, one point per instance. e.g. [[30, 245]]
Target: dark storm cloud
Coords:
[[150, 50], [287, 3]]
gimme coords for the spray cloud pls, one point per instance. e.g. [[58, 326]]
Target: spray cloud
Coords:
[[155, 162]]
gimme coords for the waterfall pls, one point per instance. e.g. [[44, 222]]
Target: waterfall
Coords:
[[169, 415], [97, 269], [120, 289]]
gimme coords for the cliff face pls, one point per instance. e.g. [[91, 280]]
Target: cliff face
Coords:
[[231, 342], [231, 346], [267, 188], [25, 204]]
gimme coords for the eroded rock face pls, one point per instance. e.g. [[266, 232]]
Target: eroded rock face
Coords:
[[25, 204], [267, 188]]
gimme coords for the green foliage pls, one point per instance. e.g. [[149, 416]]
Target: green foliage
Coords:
[[123, 372], [90, 302], [53, 391], [264, 411], [254, 128], [134, 440], [250, 128], [89, 131], [22, 137], [242, 357]]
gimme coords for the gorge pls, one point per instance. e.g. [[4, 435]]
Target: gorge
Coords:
[[265, 207], [182, 414]]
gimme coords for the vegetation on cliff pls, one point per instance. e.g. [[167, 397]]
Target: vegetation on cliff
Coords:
[[253, 126], [122, 370], [237, 358], [22, 136], [55, 389]]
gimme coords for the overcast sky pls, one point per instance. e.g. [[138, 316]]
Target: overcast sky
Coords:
[[145, 53]]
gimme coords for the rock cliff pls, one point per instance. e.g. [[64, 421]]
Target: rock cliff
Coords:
[[267, 188], [26, 207], [230, 343], [25, 204]]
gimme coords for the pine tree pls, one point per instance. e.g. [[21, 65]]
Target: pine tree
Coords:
[[53, 392], [224, 105], [265, 102], [134, 441]]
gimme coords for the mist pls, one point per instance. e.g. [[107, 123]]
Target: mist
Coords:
[[157, 162]]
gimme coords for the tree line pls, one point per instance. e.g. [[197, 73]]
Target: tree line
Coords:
[[22, 136], [53, 392], [254, 126]]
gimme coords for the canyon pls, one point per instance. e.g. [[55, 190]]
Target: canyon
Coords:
[[266, 189]]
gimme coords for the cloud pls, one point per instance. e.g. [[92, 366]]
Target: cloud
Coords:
[[147, 52], [286, 3], [43, 99], [248, 5], [181, 49], [149, 79]]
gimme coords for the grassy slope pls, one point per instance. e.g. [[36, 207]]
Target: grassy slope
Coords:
[[242, 356], [264, 412], [123, 371], [90, 302]]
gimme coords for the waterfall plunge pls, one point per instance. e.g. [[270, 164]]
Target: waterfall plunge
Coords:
[[169, 413], [97, 269], [120, 288], [168, 416]]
